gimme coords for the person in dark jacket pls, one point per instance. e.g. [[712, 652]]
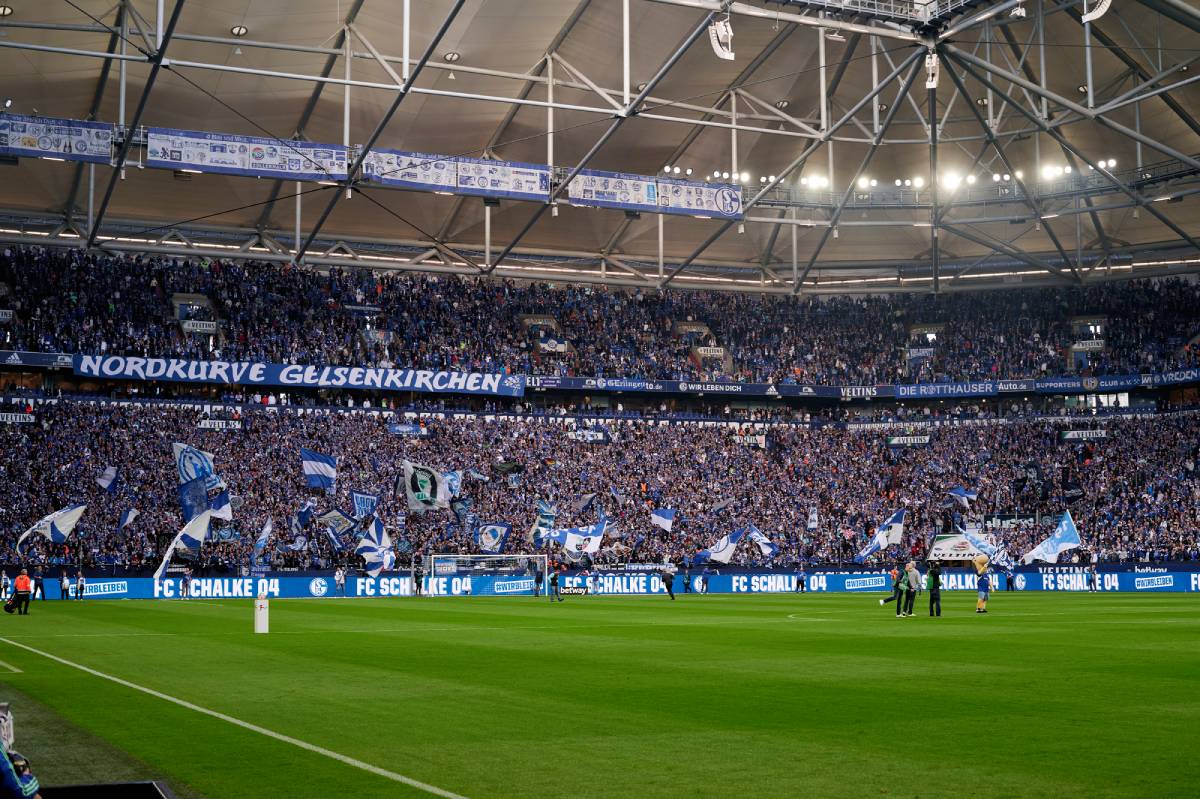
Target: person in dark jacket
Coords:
[[934, 577], [897, 591], [553, 592]]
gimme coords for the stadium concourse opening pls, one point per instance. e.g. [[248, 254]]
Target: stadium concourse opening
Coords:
[[624, 398]]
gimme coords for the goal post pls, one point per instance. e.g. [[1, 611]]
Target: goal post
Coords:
[[494, 575]]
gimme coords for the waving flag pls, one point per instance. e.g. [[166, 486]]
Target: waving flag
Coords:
[[617, 495], [364, 504], [721, 505], [319, 470], [578, 540], [1065, 537], [963, 496], [56, 527], [723, 550], [492, 537], [108, 479], [813, 519], [425, 488], [187, 540], [127, 518], [304, 513], [375, 548], [475, 474], [893, 528], [546, 514], [766, 547], [221, 507], [337, 521], [191, 463], [260, 543], [453, 482], [997, 555], [664, 518], [581, 503]]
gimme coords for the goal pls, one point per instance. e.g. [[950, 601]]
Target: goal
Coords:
[[493, 575]]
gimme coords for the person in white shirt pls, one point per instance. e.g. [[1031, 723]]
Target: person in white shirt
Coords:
[[80, 585], [64, 586], [5, 585], [339, 580]]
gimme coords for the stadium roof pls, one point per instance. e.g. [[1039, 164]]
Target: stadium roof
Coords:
[[1118, 92]]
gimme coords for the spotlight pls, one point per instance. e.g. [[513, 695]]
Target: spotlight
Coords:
[[970, 179], [687, 171], [981, 101], [1112, 162], [1006, 177], [1018, 12], [918, 182], [1067, 169], [745, 178], [863, 183], [1020, 175], [771, 179], [907, 182], [1047, 172], [452, 57], [883, 106], [803, 181], [8, 102], [899, 182], [641, 87], [720, 36], [667, 169], [782, 105], [762, 179], [239, 30], [951, 180], [725, 175], [874, 183], [1081, 88], [5, 11], [995, 178], [675, 170]]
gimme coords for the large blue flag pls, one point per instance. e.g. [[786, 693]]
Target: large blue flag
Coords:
[[56, 527], [722, 551], [260, 543], [891, 531], [492, 537], [577, 541], [546, 513], [766, 547], [963, 496], [127, 518], [364, 504], [319, 470], [997, 555], [187, 541], [375, 548], [663, 517], [1065, 537], [108, 479]]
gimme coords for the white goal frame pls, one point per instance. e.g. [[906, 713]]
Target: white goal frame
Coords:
[[472, 561]]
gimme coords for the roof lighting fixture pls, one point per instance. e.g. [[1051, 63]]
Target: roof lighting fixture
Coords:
[[239, 30], [452, 57], [1020, 175], [1112, 162], [899, 182], [995, 177], [687, 171], [782, 105], [907, 182], [864, 183], [744, 178], [1006, 177], [5, 11], [971, 179], [675, 170], [918, 182]]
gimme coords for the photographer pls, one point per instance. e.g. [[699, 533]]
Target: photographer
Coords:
[[16, 778]]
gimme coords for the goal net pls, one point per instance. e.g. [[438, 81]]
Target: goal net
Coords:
[[493, 575]]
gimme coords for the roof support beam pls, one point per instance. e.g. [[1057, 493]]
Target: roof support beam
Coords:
[[841, 206], [156, 62], [799, 162], [620, 118], [354, 168], [1062, 142], [311, 106], [94, 108]]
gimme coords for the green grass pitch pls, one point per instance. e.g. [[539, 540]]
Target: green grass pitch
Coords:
[[1049, 695]]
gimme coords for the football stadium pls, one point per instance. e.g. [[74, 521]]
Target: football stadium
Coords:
[[599, 398]]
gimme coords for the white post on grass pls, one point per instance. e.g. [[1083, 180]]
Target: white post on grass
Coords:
[[261, 610]]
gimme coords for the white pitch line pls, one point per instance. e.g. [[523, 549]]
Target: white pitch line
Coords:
[[10, 667], [278, 736]]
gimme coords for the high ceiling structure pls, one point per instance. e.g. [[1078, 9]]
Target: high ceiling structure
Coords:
[[884, 145]]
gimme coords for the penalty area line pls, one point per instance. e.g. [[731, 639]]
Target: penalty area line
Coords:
[[278, 736]]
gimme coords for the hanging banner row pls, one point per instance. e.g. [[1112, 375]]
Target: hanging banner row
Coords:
[[253, 156]]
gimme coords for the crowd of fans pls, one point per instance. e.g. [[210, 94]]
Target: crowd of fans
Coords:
[[74, 301], [1138, 494]]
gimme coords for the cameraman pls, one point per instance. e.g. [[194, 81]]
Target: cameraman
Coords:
[[16, 779]]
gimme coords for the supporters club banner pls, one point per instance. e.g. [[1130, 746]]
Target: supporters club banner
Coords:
[[66, 139], [224, 153], [249, 373]]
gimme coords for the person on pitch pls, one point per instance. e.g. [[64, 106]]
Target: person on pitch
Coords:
[[984, 583], [913, 580], [553, 592], [801, 579], [668, 578], [339, 580], [897, 592], [934, 581], [22, 589]]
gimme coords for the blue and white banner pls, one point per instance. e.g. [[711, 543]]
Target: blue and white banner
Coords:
[[426, 171], [56, 527], [997, 554], [336, 521], [364, 504], [191, 463], [890, 532], [245, 373], [127, 518], [699, 199], [320, 471], [492, 537], [578, 540], [767, 548], [814, 520], [614, 190], [663, 517], [509, 179], [108, 479], [228, 154], [1065, 537], [47, 137], [722, 551], [408, 429], [544, 523]]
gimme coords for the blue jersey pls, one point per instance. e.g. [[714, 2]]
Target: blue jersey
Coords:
[[984, 582], [12, 784]]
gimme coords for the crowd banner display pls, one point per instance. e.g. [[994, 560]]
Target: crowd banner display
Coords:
[[253, 156], [425, 171], [505, 179], [641, 579], [620, 190], [699, 199], [64, 139], [246, 373]]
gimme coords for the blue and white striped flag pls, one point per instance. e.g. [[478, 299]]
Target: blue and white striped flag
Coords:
[[375, 548], [187, 540], [546, 513], [766, 547], [963, 496], [260, 543], [319, 470], [578, 540], [663, 517], [997, 555], [108, 479]]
